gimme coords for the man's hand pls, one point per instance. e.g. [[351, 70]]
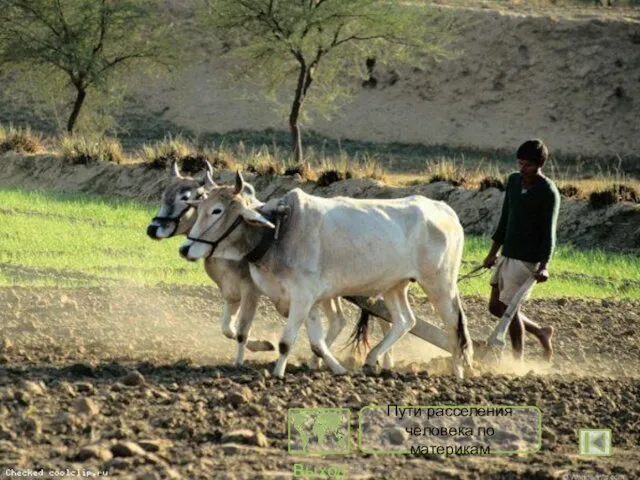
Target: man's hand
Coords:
[[542, 275], [490, 260], [492, 256]]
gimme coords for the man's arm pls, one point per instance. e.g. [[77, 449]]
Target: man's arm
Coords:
[[550, 221], [500, 233], [501, 229]]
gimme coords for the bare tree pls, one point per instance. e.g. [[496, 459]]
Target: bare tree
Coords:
[[317, 42], [87, 41]]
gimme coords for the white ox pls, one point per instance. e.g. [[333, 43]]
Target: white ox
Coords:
[[331, 247], [240, 295]]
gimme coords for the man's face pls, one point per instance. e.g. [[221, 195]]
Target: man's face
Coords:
[[528, 168]]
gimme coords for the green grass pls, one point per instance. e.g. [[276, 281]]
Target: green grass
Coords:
[[76, 240]]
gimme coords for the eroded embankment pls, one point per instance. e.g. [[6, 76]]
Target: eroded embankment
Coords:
[[616, 227]]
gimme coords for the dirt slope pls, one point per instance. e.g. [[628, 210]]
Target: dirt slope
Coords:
[[571, 77]]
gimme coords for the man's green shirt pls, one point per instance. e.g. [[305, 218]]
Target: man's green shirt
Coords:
[[527, 227]]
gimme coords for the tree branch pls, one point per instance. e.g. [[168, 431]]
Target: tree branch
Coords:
[[123, 58], [103, 29], [36, 14], [357, 38]]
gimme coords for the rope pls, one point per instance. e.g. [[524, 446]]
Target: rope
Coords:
[[473, 273]]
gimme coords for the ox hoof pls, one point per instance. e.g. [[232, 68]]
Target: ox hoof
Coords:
[[370, 370], [230, 334], [260, 346], [314, 363], [340, 372]]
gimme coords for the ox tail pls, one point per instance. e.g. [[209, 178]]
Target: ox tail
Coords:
[[360, 333], [464, 339]]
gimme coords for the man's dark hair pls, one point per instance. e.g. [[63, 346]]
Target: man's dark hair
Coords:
[[534, 151]]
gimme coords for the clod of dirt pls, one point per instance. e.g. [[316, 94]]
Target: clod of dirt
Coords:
[[247, 437], [31, 427], [86, 406], [85, 387], [133, 379], [242, 396], [34, 388], [397, 436], [93, 451], [154, 446], [83, 369], [7, 434], [22, 397], [5, 344], [127, 449]]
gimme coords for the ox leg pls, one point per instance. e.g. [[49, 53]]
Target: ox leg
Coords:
[[397, 303], [298, 312], [229, 310], [248, 306], [318, 342], [443, 294], [387, 358], [333, 311], [338, 320]]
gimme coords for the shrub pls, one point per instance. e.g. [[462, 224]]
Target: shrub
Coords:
[[302, 169], [83, 150], [328, 177], [161, 154], [614, 194], [456, 182], [491, 182], [21, 140], [265, 167], [570, 191]]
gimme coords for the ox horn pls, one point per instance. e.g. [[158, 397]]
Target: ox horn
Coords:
[[239, 183], [209, 167], [174, 169]]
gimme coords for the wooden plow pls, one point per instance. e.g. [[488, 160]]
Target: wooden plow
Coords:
[[486, 351]]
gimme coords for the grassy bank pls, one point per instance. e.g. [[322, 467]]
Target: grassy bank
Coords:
[[74, 240]]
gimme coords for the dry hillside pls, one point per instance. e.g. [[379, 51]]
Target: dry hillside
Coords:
[[570, 76]]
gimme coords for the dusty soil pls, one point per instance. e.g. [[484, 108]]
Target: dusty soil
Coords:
[[69, 397]]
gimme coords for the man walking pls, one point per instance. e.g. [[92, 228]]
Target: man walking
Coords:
[[526, 233]]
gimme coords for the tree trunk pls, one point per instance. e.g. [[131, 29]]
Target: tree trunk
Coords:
[[82, 93], [296, 141], [296, 138]]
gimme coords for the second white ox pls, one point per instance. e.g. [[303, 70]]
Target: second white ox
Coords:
[[331, 247]]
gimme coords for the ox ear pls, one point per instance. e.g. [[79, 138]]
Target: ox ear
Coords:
[[174, 172], [239, 183], [254, 218], [248, 190]]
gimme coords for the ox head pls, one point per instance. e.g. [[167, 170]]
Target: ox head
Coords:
[[220, 220], [176, 216]]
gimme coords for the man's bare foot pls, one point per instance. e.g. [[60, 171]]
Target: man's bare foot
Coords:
[[545, 339]]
